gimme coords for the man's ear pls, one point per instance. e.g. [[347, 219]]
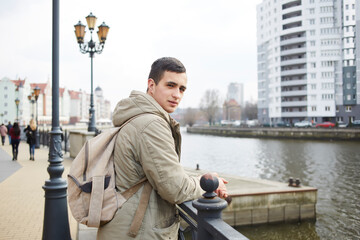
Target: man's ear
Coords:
[[151, 86]]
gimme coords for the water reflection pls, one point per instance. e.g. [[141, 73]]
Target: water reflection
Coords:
[[332, 167]]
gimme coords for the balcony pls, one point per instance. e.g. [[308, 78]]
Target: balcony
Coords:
[[291, 9], [294, 114], [294, 104], [293, 72], [293, 61], [291, 20], [294, 83], [292, 41], [292, 30], [293, 51], [294, 93]]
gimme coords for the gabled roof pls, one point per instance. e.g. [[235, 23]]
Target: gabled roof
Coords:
[[61, 91], [42, 86], [74, 94], [19, 82]]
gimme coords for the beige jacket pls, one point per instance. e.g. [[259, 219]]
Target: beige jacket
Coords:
[[149, 146]]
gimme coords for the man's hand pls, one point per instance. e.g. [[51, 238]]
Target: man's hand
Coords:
[[221, 191]]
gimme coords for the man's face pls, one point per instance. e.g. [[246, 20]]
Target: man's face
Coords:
[[169, 91]]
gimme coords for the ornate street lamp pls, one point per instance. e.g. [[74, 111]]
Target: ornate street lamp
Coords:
[[37, 135], [56, 220], [17, 101], [91, 47]]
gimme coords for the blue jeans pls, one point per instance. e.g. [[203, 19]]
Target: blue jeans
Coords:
[[9, 139], [32, 149]]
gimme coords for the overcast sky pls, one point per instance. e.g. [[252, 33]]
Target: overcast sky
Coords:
[[215, 40]]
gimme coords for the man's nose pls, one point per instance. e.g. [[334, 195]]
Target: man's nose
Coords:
[[176, 93]]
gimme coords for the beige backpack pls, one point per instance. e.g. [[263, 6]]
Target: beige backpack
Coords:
[[93, 197]]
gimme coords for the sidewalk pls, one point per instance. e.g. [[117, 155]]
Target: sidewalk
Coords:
[[22, 197]]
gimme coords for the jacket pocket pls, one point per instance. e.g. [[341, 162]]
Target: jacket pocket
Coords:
[[170, 232]]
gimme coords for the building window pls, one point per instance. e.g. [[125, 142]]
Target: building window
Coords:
[[5, 96], [327, 108], [5, 104], [313, 86], [347, 18], [348, 86], [348, 97], [347, 108], [5, 88], [313, 108], [337, 108]]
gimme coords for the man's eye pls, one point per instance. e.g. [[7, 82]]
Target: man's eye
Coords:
[[171, 84], [182, 89]]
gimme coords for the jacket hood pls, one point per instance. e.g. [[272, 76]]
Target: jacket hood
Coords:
[[137, 103]]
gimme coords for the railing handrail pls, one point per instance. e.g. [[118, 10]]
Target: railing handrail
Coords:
[[214, 226]]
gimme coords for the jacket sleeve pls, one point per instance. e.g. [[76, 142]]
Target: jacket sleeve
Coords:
[[162, 167]]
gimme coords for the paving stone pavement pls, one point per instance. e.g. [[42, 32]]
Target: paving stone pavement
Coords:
[[21, 194]]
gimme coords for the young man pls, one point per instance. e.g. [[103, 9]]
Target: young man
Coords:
[[149, 146]]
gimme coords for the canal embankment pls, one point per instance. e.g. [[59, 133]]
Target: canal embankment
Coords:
[[260, 201], [352, 134]]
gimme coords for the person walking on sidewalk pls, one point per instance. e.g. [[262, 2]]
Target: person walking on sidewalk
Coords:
[[9, 126], [15, 140], [3, 132], [30, 131]]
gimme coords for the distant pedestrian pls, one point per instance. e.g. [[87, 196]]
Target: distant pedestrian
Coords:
[[3, 132], [9, 126], [15, 140], [30, 131]]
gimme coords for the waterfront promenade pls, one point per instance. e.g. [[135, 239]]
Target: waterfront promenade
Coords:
[[22, 196], [22, 204]]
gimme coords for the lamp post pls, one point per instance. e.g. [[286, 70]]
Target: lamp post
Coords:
[[56, 220], [32, 101], [91, 47], [17, 101], [37, 135]]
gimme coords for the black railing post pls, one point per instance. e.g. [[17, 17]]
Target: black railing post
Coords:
[[66, 141], [209, 207]]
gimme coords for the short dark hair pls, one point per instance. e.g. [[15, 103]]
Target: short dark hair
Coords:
[[165, 64]]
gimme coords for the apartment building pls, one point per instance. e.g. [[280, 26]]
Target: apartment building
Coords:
[[73, 105], [307, 61]]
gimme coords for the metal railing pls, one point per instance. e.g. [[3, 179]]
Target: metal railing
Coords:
[[204, 215], [45, 139]]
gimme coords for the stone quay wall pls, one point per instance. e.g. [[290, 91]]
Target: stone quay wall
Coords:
[[287, 133]]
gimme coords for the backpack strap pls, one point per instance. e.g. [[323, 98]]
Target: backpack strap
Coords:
[[140, 211], [144, 198]]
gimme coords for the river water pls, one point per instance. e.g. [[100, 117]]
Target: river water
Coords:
[[331, 166]]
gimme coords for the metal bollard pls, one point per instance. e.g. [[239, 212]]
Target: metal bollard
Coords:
[[209, 207]]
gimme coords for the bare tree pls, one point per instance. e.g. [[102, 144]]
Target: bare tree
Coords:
[[250, 111], [190, 116], [210, 104]]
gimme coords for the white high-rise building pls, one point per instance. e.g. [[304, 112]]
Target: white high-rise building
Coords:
[[307, 60], [236, 92]]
